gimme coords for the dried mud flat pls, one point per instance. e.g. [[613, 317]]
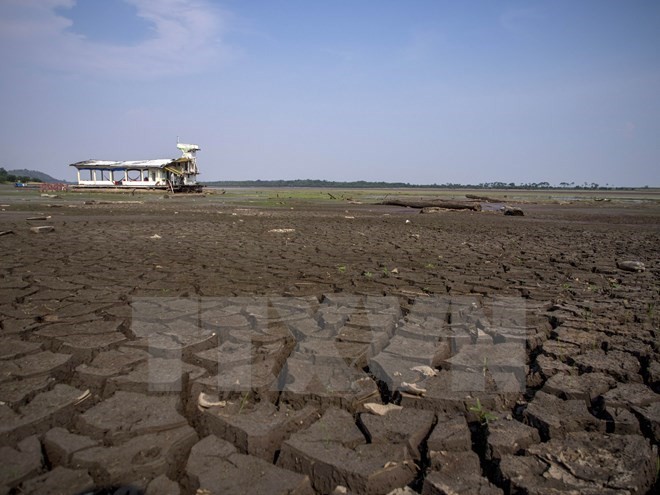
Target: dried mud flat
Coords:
[[195, 345]]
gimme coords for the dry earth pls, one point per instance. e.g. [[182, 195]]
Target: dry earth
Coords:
[[198, 345]]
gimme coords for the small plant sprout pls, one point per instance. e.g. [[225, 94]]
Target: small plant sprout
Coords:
[[244, 401], [368, 274], [341, 268], [484, 416], [430, 266]]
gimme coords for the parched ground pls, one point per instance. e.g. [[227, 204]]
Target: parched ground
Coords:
[[206, 344]]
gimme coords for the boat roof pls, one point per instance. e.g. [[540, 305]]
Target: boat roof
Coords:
[[131, 164]]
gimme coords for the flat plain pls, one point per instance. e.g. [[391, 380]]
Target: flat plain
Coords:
[[246, 341]]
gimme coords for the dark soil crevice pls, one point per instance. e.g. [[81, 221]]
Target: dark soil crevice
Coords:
[[424, 463]]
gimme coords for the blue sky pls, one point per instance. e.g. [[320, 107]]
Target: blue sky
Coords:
[[419, 91]]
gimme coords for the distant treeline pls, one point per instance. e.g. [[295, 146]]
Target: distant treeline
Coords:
[[7, 177], [361, 184]]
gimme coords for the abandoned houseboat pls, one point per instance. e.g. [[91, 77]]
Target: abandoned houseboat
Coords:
[[174, 174]]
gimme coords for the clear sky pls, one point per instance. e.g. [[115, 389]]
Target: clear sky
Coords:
[[419, 91]]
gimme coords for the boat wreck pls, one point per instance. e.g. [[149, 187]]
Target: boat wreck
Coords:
[[174, 174]]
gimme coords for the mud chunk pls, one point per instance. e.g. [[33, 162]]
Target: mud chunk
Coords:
[[331, 352], [498, 360], [172, 339], [562, 351], [326, 385], [376, 340], [508, 436], [405, 426], [457, 473], [140, 459], [452, 392], [20, 464], [530, 338], [554, 417], [649, 418], [549, 366], [621, 421], [259, 431], [375, 321], [451, 434], [575, 333], [638, 345], [18, 324], [587, 386], [43, 412], [428, 329], [419, 351], [85, 347], [59, 481], [93, 327], [108, 364], [127, 414], [310, 328], [42, 363], [333, 451], [226, 356], [215, 467], [162, 485], [589, 463], [221, 321], [392, 369], [629, 395], [260, 379], [654, 375], [12, 349], [155, 375], [620, 365], [60, 445], [17, 392]]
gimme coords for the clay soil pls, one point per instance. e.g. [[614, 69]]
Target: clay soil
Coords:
[[151, 302]]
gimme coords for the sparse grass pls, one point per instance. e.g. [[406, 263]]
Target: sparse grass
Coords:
[[483, 415], [244, 401]]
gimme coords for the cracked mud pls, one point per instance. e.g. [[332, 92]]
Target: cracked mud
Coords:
[[242, 350]]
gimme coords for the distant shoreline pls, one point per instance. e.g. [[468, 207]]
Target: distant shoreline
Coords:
[[305, 183]]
